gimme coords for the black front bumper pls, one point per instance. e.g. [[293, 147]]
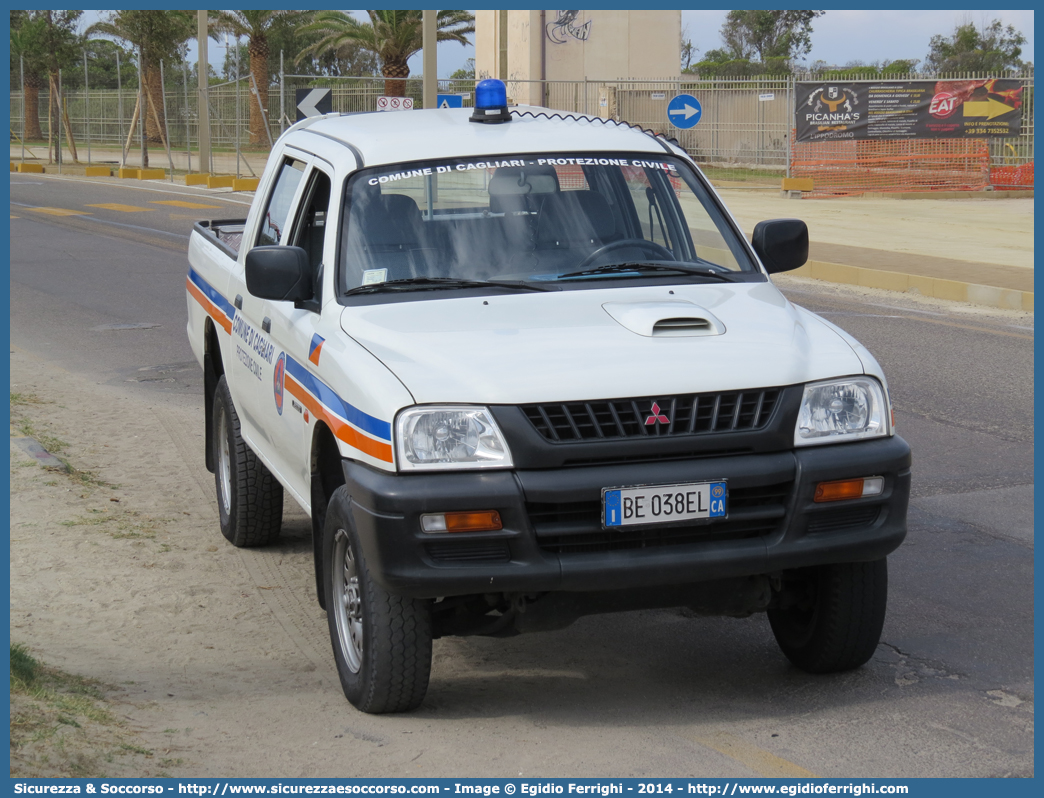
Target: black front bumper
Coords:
[[553, 538]]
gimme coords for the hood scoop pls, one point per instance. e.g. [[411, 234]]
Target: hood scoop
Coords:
[[673, 319]]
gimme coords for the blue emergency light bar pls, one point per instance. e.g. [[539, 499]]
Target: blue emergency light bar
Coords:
[[491, 102]]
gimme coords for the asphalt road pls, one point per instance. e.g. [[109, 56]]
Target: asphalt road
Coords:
[[100, 291]]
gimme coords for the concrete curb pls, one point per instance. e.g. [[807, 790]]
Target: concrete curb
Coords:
[[937, 287]]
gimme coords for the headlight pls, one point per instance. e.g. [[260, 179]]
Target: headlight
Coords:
[[441, 437], [837, 411]]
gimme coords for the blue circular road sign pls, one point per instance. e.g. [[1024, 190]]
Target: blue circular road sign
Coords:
[[684, 111]]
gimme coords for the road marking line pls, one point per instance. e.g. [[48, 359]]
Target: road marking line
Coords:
[[757, 759], [180, 204], [60, 212], [169, 189], [116, 206], [14, 217], [138, 227]]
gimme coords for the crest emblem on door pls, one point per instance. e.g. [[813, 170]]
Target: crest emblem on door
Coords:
[[280, 371]]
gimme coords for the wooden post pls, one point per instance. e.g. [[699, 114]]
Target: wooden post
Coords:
[[163, 136], [130, 133]]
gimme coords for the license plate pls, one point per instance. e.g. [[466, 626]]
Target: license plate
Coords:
[[664, 504]]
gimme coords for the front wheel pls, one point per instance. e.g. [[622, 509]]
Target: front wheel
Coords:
[[381, 642], [250, 499], [829, 618]]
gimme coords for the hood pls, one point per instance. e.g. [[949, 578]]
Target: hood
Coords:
[[589, 344]]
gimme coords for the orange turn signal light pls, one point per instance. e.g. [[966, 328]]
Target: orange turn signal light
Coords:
[[849, 489], [473, 521]]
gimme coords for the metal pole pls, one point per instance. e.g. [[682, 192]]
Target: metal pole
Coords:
[[21, 67], [166, 125], [205, 164], [141, 110], [237, 107], [282, 96], [430, 33], [58, 152], [119, 105], [87, 106], [792, 116], [188, 130]]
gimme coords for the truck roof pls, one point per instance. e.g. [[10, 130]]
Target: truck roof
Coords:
[[395, 137]]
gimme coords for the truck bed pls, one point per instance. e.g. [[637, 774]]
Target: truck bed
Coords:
[[226, 233]]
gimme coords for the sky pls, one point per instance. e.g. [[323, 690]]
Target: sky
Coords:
[[838, 37]]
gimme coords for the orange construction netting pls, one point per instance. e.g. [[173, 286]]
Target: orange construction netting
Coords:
[[1021, 176], [840, 168]]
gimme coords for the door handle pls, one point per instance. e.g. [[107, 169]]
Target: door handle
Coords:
[[266, 325], [239, 301]]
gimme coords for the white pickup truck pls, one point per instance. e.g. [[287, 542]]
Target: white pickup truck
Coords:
[[522, 366]]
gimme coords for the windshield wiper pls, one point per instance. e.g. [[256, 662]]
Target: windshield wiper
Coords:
[[436, 283], [639, 266]]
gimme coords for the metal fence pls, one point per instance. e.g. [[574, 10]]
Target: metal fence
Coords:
[[746, 122]]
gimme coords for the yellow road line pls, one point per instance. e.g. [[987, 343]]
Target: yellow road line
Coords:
[[180, 204], [115, 206], [13, 216], [60, 212], [757, 759]]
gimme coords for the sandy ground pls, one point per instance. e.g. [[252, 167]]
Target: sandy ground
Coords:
[[934, 227]]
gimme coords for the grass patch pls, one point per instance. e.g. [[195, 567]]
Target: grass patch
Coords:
[[25, 670], [767, 177], [25, 399], [62, 726], [119, 525], [24, 426]]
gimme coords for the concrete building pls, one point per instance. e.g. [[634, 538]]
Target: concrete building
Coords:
[[524, 47]]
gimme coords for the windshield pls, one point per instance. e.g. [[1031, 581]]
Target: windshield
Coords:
[[535, 222]]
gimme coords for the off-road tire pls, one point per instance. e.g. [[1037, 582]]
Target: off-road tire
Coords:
[[835, 623], [250, 499], [386, 666]]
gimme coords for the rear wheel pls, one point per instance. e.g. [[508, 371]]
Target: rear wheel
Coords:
[[250, 499], [381, 642], [829, 618]]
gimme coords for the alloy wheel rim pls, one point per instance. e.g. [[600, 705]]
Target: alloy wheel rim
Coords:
[[224, 463], [347, 602]]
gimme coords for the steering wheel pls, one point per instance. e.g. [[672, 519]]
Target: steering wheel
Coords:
[[660, 251]]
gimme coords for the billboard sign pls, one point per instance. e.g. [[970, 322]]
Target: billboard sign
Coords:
[[839, 111]]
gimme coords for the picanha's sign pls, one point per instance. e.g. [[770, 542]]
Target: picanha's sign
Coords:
[[836, 111]]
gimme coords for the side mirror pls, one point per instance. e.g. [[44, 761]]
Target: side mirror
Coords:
[[782, 244], [280, 273]]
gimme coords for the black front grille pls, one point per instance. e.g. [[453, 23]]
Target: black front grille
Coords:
[[576, 527], [464, 551], [687, 414], [844, 518]]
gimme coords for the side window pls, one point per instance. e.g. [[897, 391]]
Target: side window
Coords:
[[310, 229], [274, 222]]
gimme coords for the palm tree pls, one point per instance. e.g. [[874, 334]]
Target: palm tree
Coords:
[[393, 35], [255, 25], [160, 35], [58, 41], [26, 48]]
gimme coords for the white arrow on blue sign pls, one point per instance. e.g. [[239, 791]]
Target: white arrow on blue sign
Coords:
[[684, 111]]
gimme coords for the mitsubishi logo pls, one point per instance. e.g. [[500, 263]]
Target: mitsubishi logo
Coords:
[[657, 417]]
